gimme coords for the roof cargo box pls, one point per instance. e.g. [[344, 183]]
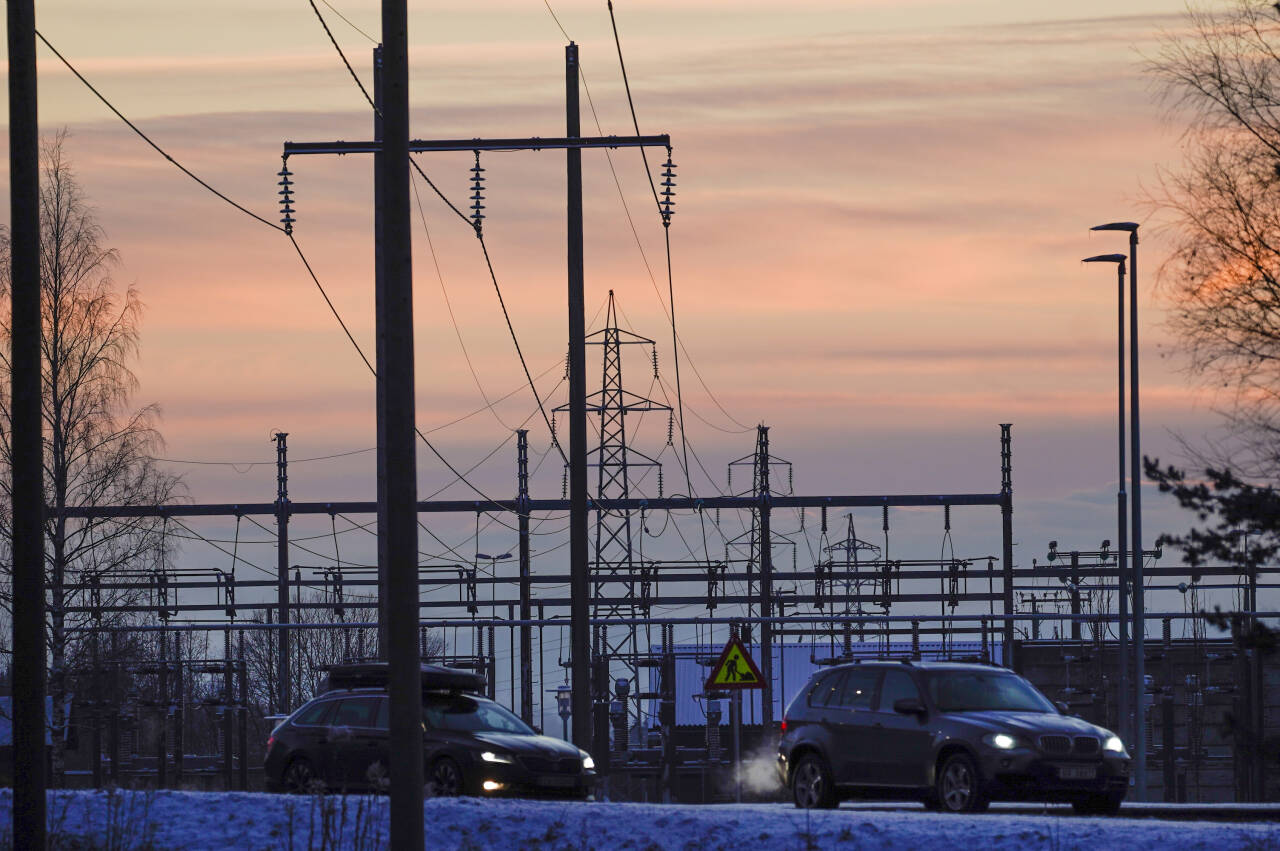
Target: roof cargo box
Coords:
[[377, 675]]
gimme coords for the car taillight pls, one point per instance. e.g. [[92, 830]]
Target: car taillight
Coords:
[[271, 740], [784, 725]]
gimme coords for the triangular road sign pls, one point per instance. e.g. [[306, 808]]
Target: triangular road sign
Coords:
[[734, 670]]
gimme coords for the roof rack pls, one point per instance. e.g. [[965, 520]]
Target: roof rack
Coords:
[[378, 674]]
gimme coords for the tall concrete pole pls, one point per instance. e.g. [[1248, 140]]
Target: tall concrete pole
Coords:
[[398, 576], [26, 438], [579, 579], [380, 354], [1135, 496]]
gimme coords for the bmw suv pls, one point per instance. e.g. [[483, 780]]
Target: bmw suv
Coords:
[[340, 741], [955, 736]]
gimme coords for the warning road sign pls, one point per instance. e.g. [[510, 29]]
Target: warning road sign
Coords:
[[734, 670]]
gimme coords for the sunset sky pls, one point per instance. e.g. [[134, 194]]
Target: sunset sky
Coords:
[[882, 208]]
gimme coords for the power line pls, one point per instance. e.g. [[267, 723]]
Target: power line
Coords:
[[479, 234], [348, 22], [260, 463], [329, 33], [293, 241], [148, 140]]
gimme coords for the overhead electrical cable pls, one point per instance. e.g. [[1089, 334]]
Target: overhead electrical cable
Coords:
[[479, 233], [274, 226], [348, 22], [148, 140]]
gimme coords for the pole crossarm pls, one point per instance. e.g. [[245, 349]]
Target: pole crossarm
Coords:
[[446, 506], [532, 143]]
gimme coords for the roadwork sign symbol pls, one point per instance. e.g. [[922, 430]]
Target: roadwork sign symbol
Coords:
[[735, 669]]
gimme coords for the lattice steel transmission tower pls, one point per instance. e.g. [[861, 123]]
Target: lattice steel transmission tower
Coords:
[[620, 588]]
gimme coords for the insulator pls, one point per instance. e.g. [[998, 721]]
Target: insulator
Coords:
[[477, 193], [659, 483], [286, 197], [946, 514], [655, 361], [791, 479], [555, 440], [802, 517], [566, 364], [564, 484], [668, 190], [717, 516], [671, 428]]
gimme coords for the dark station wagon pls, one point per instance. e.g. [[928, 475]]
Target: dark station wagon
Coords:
[[955, 736], [340, 741]]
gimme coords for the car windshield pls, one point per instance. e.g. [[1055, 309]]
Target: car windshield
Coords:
[[975, 691], [464, 714]]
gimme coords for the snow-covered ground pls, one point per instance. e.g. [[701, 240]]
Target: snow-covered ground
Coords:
[[197, 820]]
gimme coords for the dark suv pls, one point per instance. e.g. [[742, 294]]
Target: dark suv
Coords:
[[471, 745], [955, 736]]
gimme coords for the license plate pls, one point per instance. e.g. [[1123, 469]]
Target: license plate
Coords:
[[1077, 772], [557, 782]]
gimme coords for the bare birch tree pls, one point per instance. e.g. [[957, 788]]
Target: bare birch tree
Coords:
[[97, 447]]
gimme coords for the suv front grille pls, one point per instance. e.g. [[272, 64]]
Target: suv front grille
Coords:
[[1063, 745], [1086, 745], [1056, 745], [545, 765]]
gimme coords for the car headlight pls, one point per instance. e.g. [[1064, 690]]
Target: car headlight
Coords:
[[490, 756], [1113, 744], [588, 764], [1001, 741]]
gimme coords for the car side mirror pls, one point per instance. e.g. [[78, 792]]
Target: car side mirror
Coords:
[[908, 706], [537, 729], [1062, 707]]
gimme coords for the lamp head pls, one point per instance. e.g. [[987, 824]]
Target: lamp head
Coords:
[[1106, 258], [1130, 227]]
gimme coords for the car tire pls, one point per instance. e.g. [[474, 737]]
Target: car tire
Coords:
[[300, 778], [445, 779], [959, 786], [811, 784], [1101, 804]]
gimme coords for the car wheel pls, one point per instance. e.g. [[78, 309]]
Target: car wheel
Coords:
[[811, 785], [1103, 804], [300, 777], [959, 788], [444, 779]]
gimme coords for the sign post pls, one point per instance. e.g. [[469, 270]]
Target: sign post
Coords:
[[735, 671]]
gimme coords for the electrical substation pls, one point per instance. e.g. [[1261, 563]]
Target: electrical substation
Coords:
[[211, 638], [604, 606]]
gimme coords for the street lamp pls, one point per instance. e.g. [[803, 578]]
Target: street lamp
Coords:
[[1135, 497], [493, 574], [564, 706], [1126, 724]]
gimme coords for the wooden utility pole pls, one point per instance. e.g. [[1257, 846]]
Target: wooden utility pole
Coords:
[[398, 574], [26, 437]]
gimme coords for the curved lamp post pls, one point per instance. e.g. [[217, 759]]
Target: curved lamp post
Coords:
[[1126, 723], [1135, 497]]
